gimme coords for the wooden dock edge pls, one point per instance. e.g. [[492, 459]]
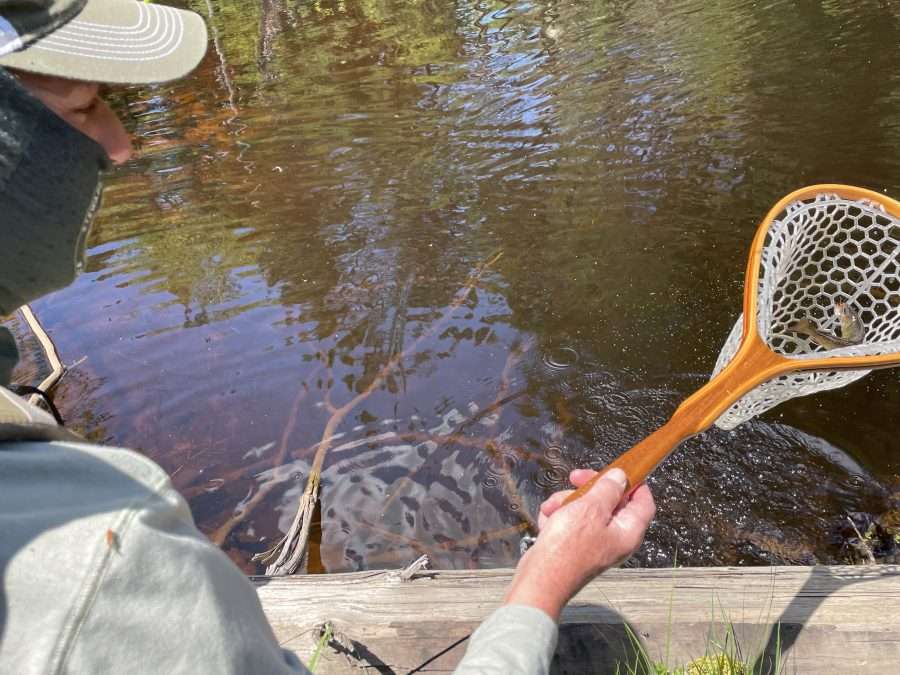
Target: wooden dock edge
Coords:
[[840, 620]]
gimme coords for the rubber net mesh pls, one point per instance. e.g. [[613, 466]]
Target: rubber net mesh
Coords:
[[819, 252]]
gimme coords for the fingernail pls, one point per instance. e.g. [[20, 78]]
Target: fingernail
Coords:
[[618, 476]]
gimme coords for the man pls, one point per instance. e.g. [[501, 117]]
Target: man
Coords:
[[102, 568]]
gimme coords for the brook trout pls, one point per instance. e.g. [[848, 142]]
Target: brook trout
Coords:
[[852, 329]]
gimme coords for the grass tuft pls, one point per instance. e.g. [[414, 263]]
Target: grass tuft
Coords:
[[324, 638], [722, 656]]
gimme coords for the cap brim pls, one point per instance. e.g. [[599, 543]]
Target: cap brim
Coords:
[[119, 42]]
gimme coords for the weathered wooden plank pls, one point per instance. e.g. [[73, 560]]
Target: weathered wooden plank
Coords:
[[832, 619]]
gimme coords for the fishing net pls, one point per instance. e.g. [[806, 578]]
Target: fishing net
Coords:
[[821, 251]]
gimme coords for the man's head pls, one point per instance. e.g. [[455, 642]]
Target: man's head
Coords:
[[57, 135]]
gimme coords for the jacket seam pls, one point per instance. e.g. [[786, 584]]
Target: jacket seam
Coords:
[[92, 585]]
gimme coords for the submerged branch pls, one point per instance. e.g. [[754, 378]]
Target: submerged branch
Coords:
[[222, 532], [294, 546]]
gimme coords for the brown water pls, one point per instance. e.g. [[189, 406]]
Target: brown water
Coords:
[[311, 202]]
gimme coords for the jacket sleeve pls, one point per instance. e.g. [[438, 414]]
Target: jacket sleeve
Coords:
[[514, 640], [105, 572]]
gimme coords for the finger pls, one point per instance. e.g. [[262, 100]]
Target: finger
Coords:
[[579, 477], [643, 489], [634, 517], [607, 492], [554, 501], [551, 505]]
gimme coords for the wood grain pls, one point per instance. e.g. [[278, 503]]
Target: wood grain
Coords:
[[832, 619]]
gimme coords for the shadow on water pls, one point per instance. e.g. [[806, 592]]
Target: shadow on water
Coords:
[[462, 488]]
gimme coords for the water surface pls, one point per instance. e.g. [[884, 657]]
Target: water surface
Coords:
[[320, 198]]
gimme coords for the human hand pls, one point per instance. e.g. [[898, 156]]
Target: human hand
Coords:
[[580, 540]]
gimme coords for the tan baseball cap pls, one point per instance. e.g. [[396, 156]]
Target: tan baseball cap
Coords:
[[112, 41]]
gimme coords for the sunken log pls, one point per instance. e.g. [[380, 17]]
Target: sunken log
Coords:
[[818, 620]]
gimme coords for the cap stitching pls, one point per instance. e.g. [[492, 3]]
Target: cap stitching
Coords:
[[172, 37]]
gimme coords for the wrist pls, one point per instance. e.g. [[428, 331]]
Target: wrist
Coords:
[[552, 607], [536, 585]]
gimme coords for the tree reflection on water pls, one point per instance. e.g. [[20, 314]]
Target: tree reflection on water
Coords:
[[309, 202]]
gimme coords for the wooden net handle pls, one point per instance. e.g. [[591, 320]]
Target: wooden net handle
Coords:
[[753, 364]]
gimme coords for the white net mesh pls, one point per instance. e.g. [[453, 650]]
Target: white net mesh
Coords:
[[817, 253]]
